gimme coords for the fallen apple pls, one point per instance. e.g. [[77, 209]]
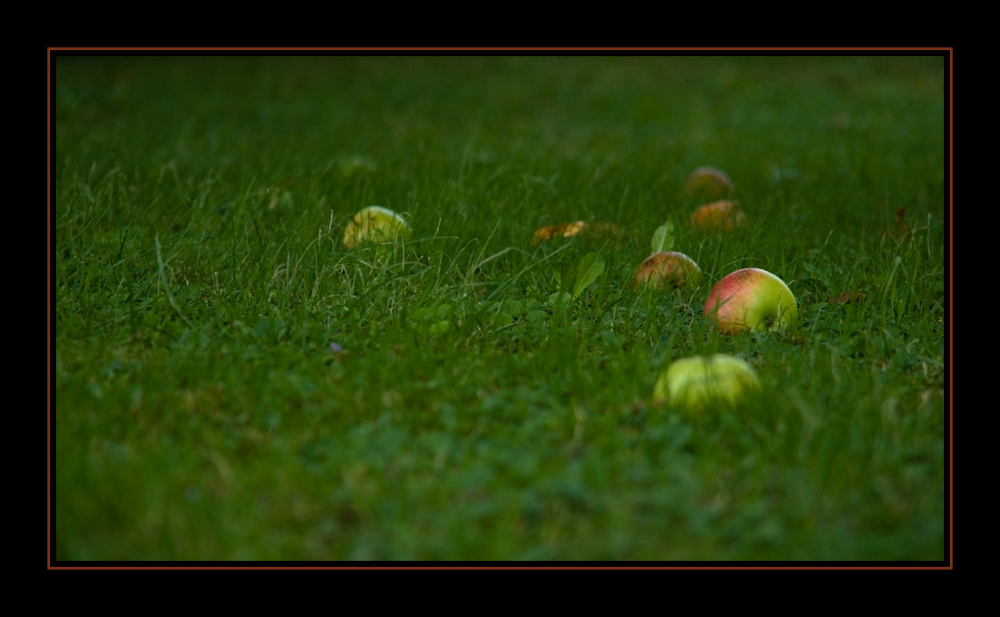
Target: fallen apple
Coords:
[[693, 383], [751, 298], [718, 215], [374, 225], [709, 181], [665, 269]]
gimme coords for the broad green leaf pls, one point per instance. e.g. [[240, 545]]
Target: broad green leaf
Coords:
[[591, 267], [663, 238]]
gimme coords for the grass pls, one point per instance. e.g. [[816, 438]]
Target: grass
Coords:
[[200, 413]]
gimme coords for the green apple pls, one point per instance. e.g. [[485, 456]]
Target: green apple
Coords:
[[751, 298], [693, 383], [666, 269], [374, 225]]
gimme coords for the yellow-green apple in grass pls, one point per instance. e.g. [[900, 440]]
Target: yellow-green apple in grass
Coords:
[[374, 225], [693, 383]]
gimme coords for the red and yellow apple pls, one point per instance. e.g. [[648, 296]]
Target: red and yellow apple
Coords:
[[374, 225], [666, 269], [718, 215], [751, 298], [693, 383], [709, 181]]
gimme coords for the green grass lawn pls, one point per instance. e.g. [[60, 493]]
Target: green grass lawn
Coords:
[[201, 277]]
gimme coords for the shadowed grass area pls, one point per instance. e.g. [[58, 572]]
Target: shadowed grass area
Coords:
[[201, 278]]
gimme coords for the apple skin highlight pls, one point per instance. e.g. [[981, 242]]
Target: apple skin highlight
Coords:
[[751, 298], [666, 269]]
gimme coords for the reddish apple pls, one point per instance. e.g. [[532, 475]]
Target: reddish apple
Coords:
[[709, 181], [718, 215], [666, 269], [751, 299]]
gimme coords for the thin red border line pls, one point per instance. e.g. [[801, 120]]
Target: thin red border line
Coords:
[[508, 48]]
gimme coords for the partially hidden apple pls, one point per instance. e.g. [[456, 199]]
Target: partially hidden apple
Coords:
[[374, 225], [718, 215], [693, 383], [709, 181], [751, 298], [666, 269]]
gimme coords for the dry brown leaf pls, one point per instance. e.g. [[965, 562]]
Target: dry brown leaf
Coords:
[[902, 229], [557, 231]]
